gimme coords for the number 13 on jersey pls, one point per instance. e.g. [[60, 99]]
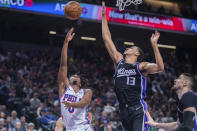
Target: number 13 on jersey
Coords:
[[131, 81]]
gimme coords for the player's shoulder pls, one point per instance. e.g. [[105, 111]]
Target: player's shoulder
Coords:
[[121, 61], [87, 91], [189, 96], [193, 94], [143, 63], [188, 100]]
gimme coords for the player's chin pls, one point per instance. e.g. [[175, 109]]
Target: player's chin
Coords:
[[174, 88]]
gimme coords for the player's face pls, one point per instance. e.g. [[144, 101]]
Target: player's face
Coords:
[[131, 51], [178, 83], [75, 80]]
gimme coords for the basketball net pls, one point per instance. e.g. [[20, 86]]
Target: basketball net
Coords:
[[121, 4]]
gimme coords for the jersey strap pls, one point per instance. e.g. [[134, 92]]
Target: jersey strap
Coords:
[[138, 68], [65, 91], [117, 67]]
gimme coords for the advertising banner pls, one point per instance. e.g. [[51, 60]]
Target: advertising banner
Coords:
[[93, 12]]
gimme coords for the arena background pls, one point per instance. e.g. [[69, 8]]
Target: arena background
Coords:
[[31, 37]]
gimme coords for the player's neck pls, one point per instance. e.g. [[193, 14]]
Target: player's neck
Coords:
[[182, 91], [130, 59], [75, 88]]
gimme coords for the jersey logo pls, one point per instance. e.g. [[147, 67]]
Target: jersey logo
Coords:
[[70, 98], [124, 72]]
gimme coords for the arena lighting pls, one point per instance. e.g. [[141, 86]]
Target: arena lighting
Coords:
[[88, 38], [129, 43], [167, 46], [52, 32]]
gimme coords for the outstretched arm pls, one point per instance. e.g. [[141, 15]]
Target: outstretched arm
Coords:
[[151, 68], [84, 101], [167, 126], [114, 54], [62, 74]]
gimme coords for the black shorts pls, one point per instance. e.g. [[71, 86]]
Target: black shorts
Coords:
[[133, 117]]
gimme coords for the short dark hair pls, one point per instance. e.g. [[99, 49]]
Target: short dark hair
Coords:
[[141, 56], [190, 78]]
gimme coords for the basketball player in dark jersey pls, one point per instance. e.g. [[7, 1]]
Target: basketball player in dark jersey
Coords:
[[187, 105], [130, 78]]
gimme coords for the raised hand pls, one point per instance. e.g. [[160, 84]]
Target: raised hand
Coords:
[[69, 35], [154, 38], [103, 9], [150, 121]]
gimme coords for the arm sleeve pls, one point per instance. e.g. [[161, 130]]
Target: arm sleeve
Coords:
[[188, 122]]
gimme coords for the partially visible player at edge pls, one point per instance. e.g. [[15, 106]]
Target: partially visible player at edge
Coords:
[[187, 105], [73, 98], [130, 78]]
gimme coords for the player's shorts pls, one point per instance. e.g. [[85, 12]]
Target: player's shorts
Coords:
[[86, 127], [133, 118]]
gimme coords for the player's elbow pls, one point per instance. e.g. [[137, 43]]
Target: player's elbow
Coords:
[[160, 68]]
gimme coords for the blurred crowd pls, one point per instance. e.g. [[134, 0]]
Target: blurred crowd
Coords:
[[29, 94]]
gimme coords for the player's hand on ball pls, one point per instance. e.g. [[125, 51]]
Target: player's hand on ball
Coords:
[[150, 121], [69, 35], [66, 104], [154, 38], [103, 8]]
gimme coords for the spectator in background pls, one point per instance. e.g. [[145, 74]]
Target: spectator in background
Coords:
[[18, 127], [4, 109], [2, 115], [168, 118], [47, 118], [24, 125], [35, 102], [111, 127], [8, 124], [14, 118], [104, 118], [109, 108], [31, 127], [2, 127]]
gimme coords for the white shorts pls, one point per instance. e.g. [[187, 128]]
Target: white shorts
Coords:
[[86, 127]]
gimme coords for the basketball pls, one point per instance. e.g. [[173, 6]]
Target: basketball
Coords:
[[73, 10]]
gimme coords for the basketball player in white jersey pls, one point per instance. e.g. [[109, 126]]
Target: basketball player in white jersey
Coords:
[[74, 100]]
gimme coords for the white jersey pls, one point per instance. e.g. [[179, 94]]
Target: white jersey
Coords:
[[73, 118]]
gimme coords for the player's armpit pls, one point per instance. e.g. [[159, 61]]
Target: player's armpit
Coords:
[[149, 68], [85, 100]]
